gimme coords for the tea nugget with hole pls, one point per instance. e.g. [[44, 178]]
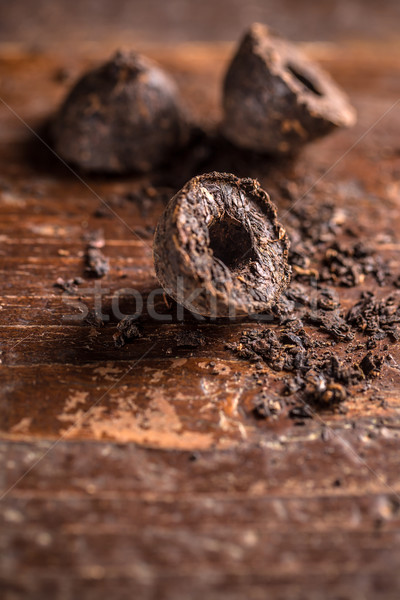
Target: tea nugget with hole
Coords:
[[276, 100], [125, 115], [219, 249]]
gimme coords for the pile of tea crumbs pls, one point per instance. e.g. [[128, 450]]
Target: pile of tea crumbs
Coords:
[[309, 323]]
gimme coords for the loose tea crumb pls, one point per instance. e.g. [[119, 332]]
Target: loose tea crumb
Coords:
[[124, 116], [127, 330], [70, 286], [93, 319], [371, 365], [265, 407], [189, 339], [276, 100], [219, 249], [97, 265]]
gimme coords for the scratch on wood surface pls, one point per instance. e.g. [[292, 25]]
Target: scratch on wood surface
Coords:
[[74, 399], [108, 372], [23, 425], [10, 199], [228, 424], [157, 425]]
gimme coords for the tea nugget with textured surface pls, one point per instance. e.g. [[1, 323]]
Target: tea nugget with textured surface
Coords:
[[276, 100], [123, 116], [219, 249]]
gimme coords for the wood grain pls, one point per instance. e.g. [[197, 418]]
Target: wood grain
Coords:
[[142, 471]]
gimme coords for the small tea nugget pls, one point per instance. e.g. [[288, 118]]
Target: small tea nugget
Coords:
[[124, 116], [276, 100], [219, 249]]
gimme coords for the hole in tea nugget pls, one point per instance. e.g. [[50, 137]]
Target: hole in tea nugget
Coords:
[[230, 242], [304, 80]]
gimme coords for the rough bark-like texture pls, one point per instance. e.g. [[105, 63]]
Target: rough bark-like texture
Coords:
[[219, 249], [124, 116], [276, 100]]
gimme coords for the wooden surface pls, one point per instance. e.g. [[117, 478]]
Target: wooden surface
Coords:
[[142, 471]]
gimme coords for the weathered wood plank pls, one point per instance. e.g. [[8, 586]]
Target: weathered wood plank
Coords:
[[165, 483]]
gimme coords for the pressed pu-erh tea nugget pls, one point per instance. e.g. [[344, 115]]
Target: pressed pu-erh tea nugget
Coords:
[[219, 249], [123, 116], [276, 99]]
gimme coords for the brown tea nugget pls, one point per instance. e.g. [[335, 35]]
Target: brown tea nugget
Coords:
[[219, 249], [123, 116], [276, 100]]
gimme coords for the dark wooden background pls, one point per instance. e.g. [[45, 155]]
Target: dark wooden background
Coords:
[[45, 22], [141, 472]]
